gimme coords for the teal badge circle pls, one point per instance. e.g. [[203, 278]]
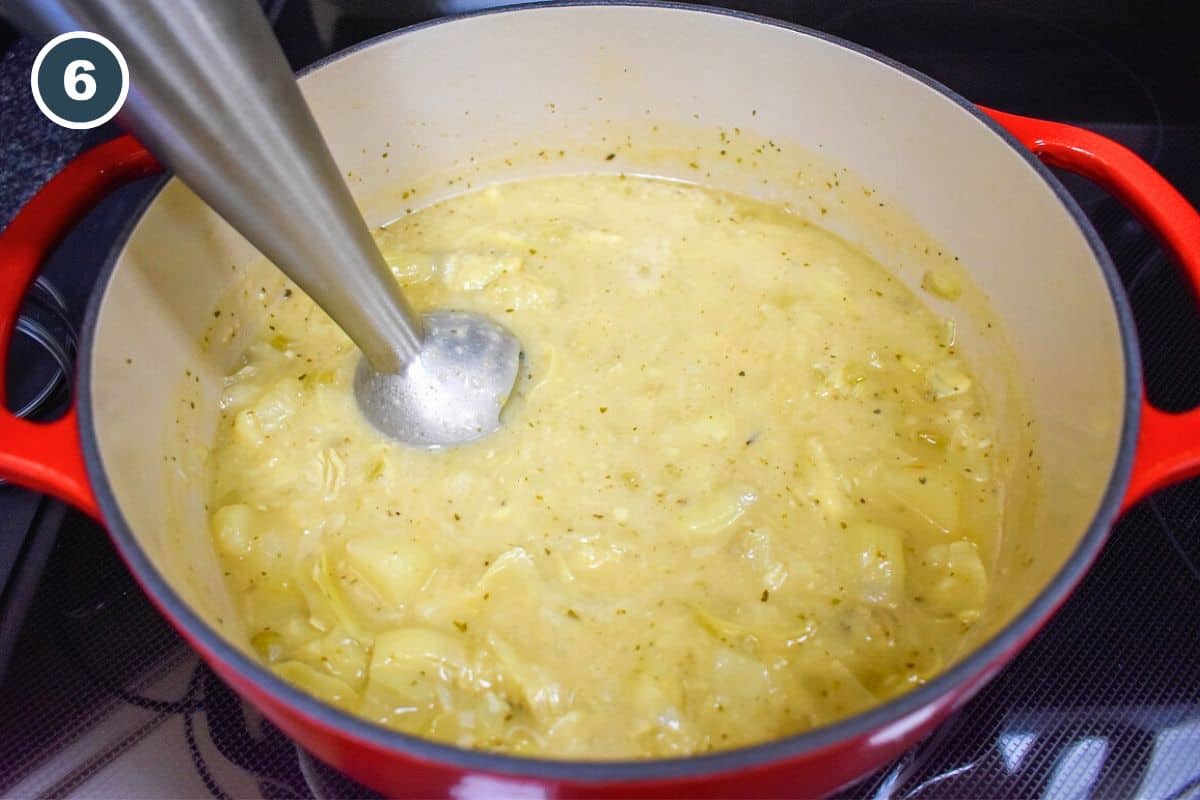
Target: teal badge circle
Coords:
[[80, 80]]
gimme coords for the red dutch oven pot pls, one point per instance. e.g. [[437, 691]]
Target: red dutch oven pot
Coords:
[[559, 73]]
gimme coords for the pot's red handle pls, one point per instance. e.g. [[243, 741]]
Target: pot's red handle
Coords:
[[1168, 448], [47, 456]]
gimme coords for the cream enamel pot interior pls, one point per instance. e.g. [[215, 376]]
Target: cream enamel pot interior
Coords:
[[451, 98]]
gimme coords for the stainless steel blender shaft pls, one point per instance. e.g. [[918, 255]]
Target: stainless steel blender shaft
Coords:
[[213, 97]]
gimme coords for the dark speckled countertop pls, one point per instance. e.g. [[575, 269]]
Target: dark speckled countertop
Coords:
[[32, 148]]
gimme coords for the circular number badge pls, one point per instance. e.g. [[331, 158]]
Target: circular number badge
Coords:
[[80, 80]]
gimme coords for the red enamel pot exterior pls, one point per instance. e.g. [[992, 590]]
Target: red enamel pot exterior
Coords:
[[60, 459]]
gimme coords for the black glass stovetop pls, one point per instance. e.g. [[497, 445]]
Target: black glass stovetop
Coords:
[[100, 697]]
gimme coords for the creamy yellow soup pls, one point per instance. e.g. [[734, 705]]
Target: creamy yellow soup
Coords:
[[745, 485]]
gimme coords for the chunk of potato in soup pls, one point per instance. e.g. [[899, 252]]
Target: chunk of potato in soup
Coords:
[[745, 485]]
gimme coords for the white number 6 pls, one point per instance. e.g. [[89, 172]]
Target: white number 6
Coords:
[[77, 83]]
